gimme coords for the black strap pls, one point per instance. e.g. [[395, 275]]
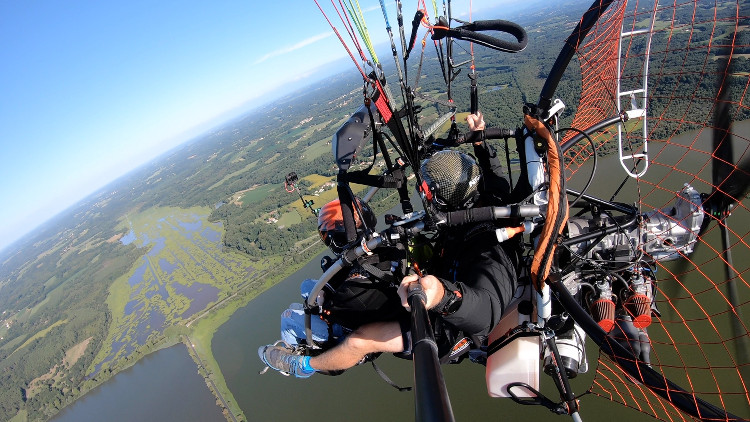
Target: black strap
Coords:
[[535, 398], [393, 180], [471, 32], [509, 337], [347, 207], [377, 272], [388, 380], [377, 140]]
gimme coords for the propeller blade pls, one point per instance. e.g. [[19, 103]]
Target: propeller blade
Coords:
[[730, 185], [671, 288], [722, 156], [742, 342], [737, 183], [730, 181]]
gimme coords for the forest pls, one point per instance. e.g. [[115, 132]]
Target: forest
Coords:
[[60, 275]]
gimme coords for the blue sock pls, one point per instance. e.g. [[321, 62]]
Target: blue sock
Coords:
[[306, 365]]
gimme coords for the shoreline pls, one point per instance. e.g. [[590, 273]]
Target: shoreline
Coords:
[[201, 334], [201, 329]]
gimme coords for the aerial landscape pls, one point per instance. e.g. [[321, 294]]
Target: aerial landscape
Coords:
[[170, 256]]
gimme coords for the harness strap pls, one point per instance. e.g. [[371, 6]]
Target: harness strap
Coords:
[[393, 180], [377, 272], [513, 334], [388, 380]]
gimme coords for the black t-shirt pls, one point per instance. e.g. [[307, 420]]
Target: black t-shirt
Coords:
[[484, 270]]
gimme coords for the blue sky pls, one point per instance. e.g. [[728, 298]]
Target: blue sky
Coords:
[[92, 89]]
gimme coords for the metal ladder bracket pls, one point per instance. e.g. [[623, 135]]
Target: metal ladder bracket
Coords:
[[638, 109]]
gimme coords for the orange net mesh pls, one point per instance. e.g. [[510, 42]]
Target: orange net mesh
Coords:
[[700, 336]]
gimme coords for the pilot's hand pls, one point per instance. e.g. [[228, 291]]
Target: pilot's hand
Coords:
[[431, 286], [475, 121]]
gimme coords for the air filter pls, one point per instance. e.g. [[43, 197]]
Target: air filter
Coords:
[[639, 307], [603, 311]]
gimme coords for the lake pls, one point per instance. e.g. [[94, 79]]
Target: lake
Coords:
[[154, 389], [358, 394], [163, 386]]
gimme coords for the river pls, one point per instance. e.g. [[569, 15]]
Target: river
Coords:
[[166, 387], [163, 386], [358, 394]]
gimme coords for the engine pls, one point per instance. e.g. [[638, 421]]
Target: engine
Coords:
[[612, 259], [663, 235]]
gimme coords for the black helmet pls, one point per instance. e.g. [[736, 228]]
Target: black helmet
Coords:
[[450, 180], [331, 223]]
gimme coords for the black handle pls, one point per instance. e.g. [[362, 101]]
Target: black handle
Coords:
[[472, 137], [471, 32], [489, 133], [471, 215], [414, 26], [474, 95]]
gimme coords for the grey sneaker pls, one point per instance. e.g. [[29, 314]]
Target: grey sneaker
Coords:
[[283, 358]]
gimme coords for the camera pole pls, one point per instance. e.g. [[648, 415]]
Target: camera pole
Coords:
[[430, 393]]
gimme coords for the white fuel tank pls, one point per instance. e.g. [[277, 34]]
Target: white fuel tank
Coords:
[[518, 360]]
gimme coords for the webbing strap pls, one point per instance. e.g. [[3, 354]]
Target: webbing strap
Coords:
[[377, 272], [388, 380], [381, 103], [513, 334], [393, 180]]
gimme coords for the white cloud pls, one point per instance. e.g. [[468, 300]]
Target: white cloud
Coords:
[[295, 47], [372, 8]]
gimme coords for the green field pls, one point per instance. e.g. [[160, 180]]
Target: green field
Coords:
[[316, 150], [308, 132], [258, 194], [40, 334], [289, 218], [317, 180], [239, 172]]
